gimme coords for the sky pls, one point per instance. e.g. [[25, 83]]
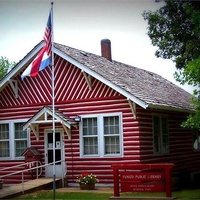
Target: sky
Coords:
[[82, 24]]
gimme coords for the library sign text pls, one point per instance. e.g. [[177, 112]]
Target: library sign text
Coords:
[[142, 181]]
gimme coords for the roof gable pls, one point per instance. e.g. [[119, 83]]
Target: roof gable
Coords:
[[45, 115], [145, 88]]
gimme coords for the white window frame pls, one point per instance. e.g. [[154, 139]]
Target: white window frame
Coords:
[[160, 141], [7, 139], [12, 139], [100, 135]]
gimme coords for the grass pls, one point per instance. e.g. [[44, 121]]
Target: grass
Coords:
[[187, 194], [66, 195], [182, 195]]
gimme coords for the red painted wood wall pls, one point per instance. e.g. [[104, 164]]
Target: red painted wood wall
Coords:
[[73, 97]]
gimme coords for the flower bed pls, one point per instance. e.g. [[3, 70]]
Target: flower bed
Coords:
[[87, 181]]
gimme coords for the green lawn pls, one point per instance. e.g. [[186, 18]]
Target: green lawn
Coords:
[[66, 195], [184, 194]]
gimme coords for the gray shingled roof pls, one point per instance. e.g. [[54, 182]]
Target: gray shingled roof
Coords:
[[149, 87]]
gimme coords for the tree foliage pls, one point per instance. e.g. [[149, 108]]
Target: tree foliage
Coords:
[[5, 66], [175, 30], [191, 75]]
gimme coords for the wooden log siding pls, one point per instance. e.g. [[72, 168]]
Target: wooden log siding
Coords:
[[74, 97], [70, 84], [181, 151], [16, 178], [77, 165]]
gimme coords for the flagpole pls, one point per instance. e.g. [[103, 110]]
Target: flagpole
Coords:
[[53, 102]]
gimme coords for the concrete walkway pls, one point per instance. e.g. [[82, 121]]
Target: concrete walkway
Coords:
[[14, 190]]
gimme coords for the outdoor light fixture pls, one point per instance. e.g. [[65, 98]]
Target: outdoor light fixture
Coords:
[[77, 119]]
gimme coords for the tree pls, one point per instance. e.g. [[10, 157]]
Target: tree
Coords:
[[175, 30], [191, 75], [5, 66]]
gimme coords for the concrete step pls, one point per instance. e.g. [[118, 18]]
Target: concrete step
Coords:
[[29, 186]]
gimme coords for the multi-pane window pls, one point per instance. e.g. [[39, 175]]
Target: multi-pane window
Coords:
[[160, 134], [4, 140], [196, 139], [20, 139], [13, 140], [111, 135], [101, 135], [90, 136]]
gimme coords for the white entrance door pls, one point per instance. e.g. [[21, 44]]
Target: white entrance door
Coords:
[[59, 154]]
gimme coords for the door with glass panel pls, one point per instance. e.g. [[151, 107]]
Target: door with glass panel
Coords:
[[59, 154]]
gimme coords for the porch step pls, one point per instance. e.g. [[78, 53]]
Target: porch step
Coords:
[[29, 186]]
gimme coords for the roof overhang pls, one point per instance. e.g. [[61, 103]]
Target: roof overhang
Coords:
[[163, 107], [10, 76], [45, 116]]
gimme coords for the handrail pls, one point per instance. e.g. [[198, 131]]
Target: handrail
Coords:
[[32, 168], [6, 168], [24, 170]]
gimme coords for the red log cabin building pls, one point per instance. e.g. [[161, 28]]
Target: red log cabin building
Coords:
[[127, 115]]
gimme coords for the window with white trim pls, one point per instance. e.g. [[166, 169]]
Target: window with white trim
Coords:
[[101, 135], [13, 140], [90, 136], [160, 134], [111, 135], [196, 139], [20, 139], [4, 140]]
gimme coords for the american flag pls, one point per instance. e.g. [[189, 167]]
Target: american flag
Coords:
[[43, 59], [47, 35]]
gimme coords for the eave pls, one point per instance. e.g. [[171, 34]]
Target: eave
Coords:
[[176, 109], [10, 77], [20, 66]]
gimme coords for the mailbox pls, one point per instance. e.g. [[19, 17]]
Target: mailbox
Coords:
[[31, 154]]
